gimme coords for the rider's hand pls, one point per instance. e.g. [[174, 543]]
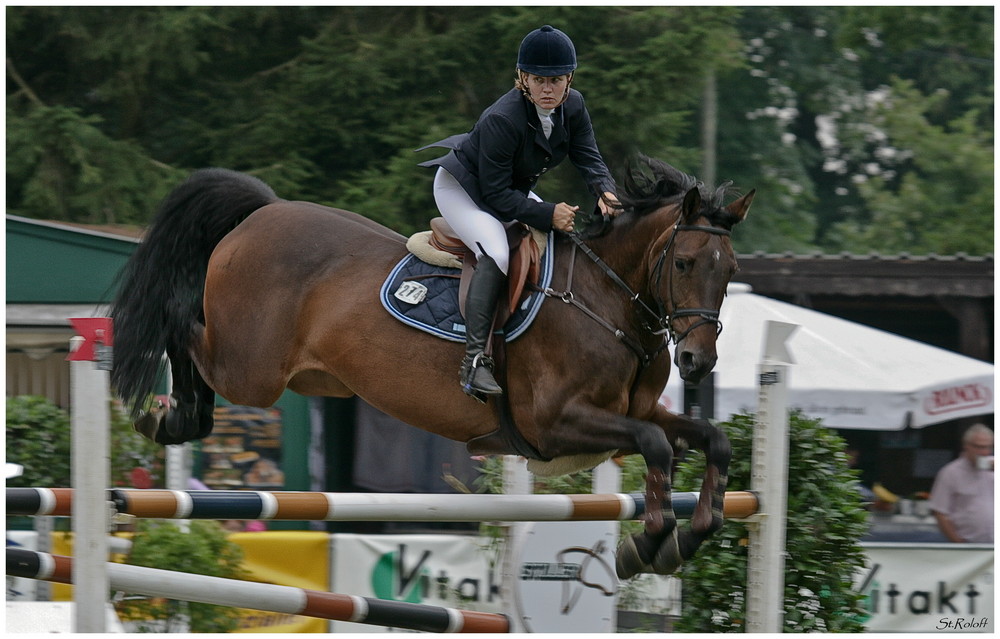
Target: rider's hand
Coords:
[[563, 217], [609, 204]]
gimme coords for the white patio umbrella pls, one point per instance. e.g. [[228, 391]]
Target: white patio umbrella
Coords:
[[847, 374]]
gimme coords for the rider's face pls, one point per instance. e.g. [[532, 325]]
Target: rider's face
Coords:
[[547, 92]]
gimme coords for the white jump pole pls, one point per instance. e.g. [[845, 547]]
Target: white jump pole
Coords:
[[769, 479], [263, 596], [179, 457], [607, 478], [90, 461]]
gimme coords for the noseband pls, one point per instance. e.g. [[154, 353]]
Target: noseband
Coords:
[[665, 319]]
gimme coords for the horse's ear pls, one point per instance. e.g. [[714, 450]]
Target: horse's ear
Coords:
[[740, 207], [691, 208]]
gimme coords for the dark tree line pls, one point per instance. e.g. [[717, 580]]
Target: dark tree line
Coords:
[[863, 128]]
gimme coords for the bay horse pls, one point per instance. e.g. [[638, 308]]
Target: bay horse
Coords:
[[249, 294]]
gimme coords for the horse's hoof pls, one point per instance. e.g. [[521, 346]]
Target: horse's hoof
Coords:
[[149, 425], [688, 542], [668, 558], [628, 562]]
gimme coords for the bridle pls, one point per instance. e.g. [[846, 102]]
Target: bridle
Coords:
[[666, 318], [662, 317]]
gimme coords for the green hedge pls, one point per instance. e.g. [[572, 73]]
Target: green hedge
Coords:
[[39, 438], [826, 521], [202, 549]]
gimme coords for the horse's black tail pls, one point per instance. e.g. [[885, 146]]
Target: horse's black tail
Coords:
[[160, 289]]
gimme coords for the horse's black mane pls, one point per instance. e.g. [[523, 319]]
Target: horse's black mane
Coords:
[[654, 184]]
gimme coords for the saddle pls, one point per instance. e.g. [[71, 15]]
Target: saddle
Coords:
[[525, 261]]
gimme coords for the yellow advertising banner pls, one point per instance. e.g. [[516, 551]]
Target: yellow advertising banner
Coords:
[[287, 558]]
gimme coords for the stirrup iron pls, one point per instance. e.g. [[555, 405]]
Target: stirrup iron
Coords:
[[487, 385]]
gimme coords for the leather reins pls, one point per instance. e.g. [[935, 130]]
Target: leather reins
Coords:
[[662, 317]]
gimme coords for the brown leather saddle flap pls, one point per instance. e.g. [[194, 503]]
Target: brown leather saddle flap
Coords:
[[525, 266], [525, 259]]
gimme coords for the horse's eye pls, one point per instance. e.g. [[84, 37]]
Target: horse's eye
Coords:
[[680, 265]]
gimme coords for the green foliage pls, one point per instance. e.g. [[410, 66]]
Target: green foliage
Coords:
[[947, 51], [811, 72], [107, 107], [824, 525], [39, 438], [61, 166], [768, 125], [202, 550], [936, 194]]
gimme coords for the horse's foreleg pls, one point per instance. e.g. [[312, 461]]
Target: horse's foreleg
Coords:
[[587, 430], [638, 552], [708, 514]]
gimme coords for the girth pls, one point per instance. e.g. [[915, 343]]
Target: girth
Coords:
[[523, 272]]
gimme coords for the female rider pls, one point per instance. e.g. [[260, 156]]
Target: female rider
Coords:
[[485, 182]]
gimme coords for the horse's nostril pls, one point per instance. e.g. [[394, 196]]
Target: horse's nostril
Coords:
[[685, 360]]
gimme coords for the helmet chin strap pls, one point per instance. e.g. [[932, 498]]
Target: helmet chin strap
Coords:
[[522, 84]]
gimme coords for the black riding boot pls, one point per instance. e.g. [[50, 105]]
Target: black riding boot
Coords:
[[480, 305]]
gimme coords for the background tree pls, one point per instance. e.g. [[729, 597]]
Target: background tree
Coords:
[[799, 126], [932, 191], [38, 438], [108, 107]]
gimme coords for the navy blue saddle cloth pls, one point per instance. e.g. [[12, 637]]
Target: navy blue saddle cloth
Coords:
[[425, 296]]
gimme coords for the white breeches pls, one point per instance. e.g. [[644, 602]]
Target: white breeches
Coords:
[[479, 230]]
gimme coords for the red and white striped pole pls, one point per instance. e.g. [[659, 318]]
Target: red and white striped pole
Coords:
[[153, 582]]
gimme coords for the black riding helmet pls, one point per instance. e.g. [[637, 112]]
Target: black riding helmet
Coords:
[[547, 52]]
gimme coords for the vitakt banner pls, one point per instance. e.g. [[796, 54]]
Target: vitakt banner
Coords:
[[440, 570], [928, 587]]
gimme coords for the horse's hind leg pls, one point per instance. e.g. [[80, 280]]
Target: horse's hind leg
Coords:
[[708, 514], [190, 414]]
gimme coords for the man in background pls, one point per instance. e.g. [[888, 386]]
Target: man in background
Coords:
[[962, 496]]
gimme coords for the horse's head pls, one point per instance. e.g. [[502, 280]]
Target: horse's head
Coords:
[[693, 269], [686, 254]]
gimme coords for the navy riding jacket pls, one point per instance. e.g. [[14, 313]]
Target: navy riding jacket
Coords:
[[499, 161]]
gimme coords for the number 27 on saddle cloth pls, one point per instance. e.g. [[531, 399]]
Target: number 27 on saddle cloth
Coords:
[[423, 289]]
